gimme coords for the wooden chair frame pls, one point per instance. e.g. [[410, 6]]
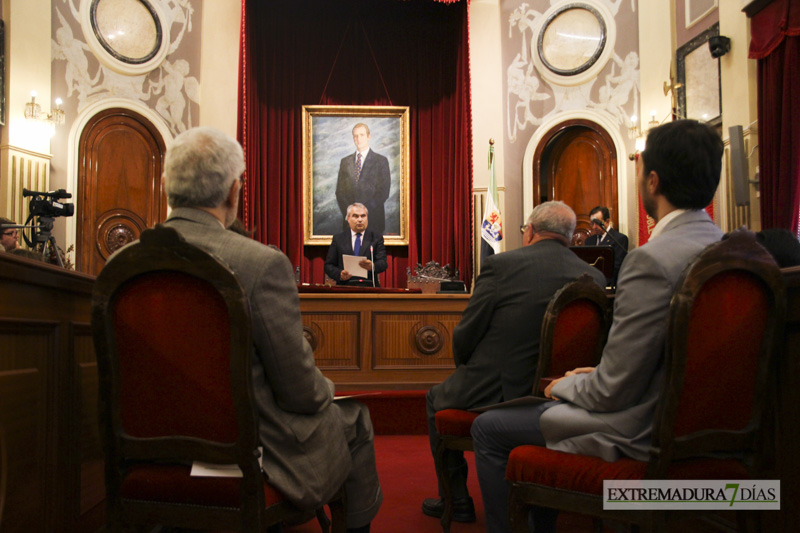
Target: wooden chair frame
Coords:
[[584, 288], [740, 252], [162, 249]]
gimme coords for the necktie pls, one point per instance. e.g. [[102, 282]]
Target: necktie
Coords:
[[357, 245], [358, 167]]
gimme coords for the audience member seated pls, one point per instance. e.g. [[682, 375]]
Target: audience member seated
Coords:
[[358, 241], [311, 444], [603, 234], [782, 245], [28, 254], [496, 344], [608, 411], [10, 236]]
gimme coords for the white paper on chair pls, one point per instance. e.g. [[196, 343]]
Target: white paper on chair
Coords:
[[201, 469], [351, 265]]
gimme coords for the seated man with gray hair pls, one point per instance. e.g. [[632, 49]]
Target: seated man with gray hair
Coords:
[[496, 344], [311, 444]]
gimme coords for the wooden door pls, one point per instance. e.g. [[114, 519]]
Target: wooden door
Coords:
[[121, 156], [576, 163]]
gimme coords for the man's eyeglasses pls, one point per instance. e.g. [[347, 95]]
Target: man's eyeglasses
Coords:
[[523, 227], [10, 233]]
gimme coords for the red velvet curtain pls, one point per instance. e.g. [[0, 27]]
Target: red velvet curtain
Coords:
[[775, 43], [359, 52]]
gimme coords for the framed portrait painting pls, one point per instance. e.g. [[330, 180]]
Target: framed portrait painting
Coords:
[[355, 154]]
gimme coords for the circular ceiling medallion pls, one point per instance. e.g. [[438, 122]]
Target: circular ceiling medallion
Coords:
[[129, 36], [129, 30], [573, 42]]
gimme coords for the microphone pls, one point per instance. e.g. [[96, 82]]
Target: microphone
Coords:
[[597, 222], [372, 258]]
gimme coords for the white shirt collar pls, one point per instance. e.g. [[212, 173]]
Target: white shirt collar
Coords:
[[663, 223], [363, 154]]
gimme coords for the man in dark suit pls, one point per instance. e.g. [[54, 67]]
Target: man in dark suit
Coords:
[[496, 344], [358, 241], [603, 234], [312, 445], [364, 178], [608, 411]]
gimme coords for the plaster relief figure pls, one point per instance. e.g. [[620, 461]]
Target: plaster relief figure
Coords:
[[171, 105], [67, 48]]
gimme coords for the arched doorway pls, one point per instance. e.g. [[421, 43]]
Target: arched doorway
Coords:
[[576, 162], [120, 163]]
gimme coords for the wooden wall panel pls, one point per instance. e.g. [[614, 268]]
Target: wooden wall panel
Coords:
[[24, 396], [334, 338], [413, 340]]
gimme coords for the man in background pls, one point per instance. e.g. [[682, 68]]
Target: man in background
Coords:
[[496, 344], [604, 234], [311, 444], [608, 411], [358, 241], [10, 236], [364, 178]]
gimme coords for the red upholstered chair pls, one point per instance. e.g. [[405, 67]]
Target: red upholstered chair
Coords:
[[171, 326], [725, 319], [574, 331]]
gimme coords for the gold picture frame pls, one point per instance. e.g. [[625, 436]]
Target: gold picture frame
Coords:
[[328, 147]]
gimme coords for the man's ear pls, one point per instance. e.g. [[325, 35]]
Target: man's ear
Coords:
[[233, 193], [652, 182]]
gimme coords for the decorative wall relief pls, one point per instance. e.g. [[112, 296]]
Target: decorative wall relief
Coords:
[[100, 66], [546, 76]]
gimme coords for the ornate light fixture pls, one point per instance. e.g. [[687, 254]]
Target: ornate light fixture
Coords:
[[33, 111], [634, 131]]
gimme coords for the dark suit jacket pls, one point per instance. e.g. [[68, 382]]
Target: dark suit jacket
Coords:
[[496, 344], [372, 188], [305, 447], [341, 245], [620, 251]]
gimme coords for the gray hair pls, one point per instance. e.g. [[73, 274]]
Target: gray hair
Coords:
[[356, 204], [554, 216], [200, 167]]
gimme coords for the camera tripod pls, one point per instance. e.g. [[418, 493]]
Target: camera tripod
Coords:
[[41, 239]]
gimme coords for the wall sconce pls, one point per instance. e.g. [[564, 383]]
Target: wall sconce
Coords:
[[633, 130], [653, 122], [33, 111]]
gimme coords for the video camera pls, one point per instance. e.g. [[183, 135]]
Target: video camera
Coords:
[[46, 204]]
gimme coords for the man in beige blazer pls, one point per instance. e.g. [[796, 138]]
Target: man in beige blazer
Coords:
[[311, 444]]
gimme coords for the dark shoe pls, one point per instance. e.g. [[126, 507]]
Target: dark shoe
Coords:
[[463, 509]]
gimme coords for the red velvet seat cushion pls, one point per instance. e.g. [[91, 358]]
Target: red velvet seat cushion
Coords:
[[173, 484], [583, 473], [570, 350], [455, 422]]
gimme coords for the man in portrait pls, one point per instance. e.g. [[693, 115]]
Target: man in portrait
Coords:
[[364, 178]]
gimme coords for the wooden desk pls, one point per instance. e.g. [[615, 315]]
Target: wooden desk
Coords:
[[53, 463], [383, 341]]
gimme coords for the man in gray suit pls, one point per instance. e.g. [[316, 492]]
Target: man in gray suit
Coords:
[[496, 344], [311, 444], [608, 411]]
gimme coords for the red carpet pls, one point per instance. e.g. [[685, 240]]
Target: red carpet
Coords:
[[405, 467]]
